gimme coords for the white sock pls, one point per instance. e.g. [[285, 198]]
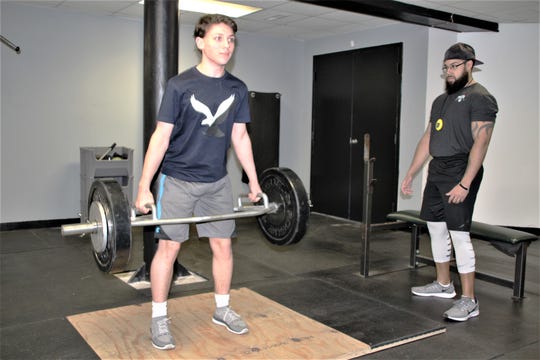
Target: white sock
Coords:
[[444, 286], [159, 309], [222, 300]]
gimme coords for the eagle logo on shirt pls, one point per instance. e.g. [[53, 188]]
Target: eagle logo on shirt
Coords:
[[212, 120]]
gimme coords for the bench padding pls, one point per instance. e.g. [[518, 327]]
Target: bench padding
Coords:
[[478, 229]]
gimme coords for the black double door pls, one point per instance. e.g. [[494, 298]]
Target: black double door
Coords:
[[355, 92]]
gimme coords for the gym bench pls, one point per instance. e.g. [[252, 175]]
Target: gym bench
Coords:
[[509, 241]]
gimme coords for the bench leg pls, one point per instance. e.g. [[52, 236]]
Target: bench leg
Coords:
[[519, 272], [415, 245]]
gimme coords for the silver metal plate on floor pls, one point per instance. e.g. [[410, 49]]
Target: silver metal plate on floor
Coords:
[[192, 278]]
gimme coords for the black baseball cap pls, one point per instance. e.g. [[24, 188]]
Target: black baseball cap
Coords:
[[461, 51]]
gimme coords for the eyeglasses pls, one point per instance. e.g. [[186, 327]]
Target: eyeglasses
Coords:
[[452, 67]]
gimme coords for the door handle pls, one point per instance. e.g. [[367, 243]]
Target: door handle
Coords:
[[353, 141]]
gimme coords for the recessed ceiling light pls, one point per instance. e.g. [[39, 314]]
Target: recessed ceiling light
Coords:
[[215, 7]]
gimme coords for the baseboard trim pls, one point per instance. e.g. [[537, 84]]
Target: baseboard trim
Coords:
[[37, 224]]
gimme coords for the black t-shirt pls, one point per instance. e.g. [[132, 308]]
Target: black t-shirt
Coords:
[[451, 118], [203, 110]]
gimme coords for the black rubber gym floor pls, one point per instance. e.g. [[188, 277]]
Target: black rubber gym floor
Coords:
[[45, 278]]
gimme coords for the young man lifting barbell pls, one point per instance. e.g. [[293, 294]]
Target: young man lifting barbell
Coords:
[[203, 111]]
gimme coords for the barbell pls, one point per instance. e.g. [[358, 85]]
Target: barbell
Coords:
[[282, 217]]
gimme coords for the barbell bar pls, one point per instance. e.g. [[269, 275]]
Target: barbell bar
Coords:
[[99, 222], [282, 217]]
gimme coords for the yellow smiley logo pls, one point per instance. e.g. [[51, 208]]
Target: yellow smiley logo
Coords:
[[439, 125]]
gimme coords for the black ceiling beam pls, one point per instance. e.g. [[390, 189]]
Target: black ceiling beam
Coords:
[[408, 13]]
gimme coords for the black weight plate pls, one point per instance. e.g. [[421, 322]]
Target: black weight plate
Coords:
[[288, 224], [115, 257]]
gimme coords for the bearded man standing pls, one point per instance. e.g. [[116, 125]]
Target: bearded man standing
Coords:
[[457, 138]]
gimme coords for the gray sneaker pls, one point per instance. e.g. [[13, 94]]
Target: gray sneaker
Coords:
[[232, 321], [463, 309], [161, 336], [435, 289]]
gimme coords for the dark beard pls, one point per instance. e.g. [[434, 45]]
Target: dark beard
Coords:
[[457, 85]]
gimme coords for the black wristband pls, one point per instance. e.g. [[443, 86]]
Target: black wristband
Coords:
[[463, 187]]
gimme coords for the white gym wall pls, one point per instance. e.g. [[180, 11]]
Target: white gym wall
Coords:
[[78, 82]]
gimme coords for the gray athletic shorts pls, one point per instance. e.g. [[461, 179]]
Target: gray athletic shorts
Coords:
[[181, 199]]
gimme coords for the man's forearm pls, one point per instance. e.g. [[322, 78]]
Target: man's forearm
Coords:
[[482, 135]]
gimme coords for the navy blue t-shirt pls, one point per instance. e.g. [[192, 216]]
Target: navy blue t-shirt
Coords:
[[203, 110]]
